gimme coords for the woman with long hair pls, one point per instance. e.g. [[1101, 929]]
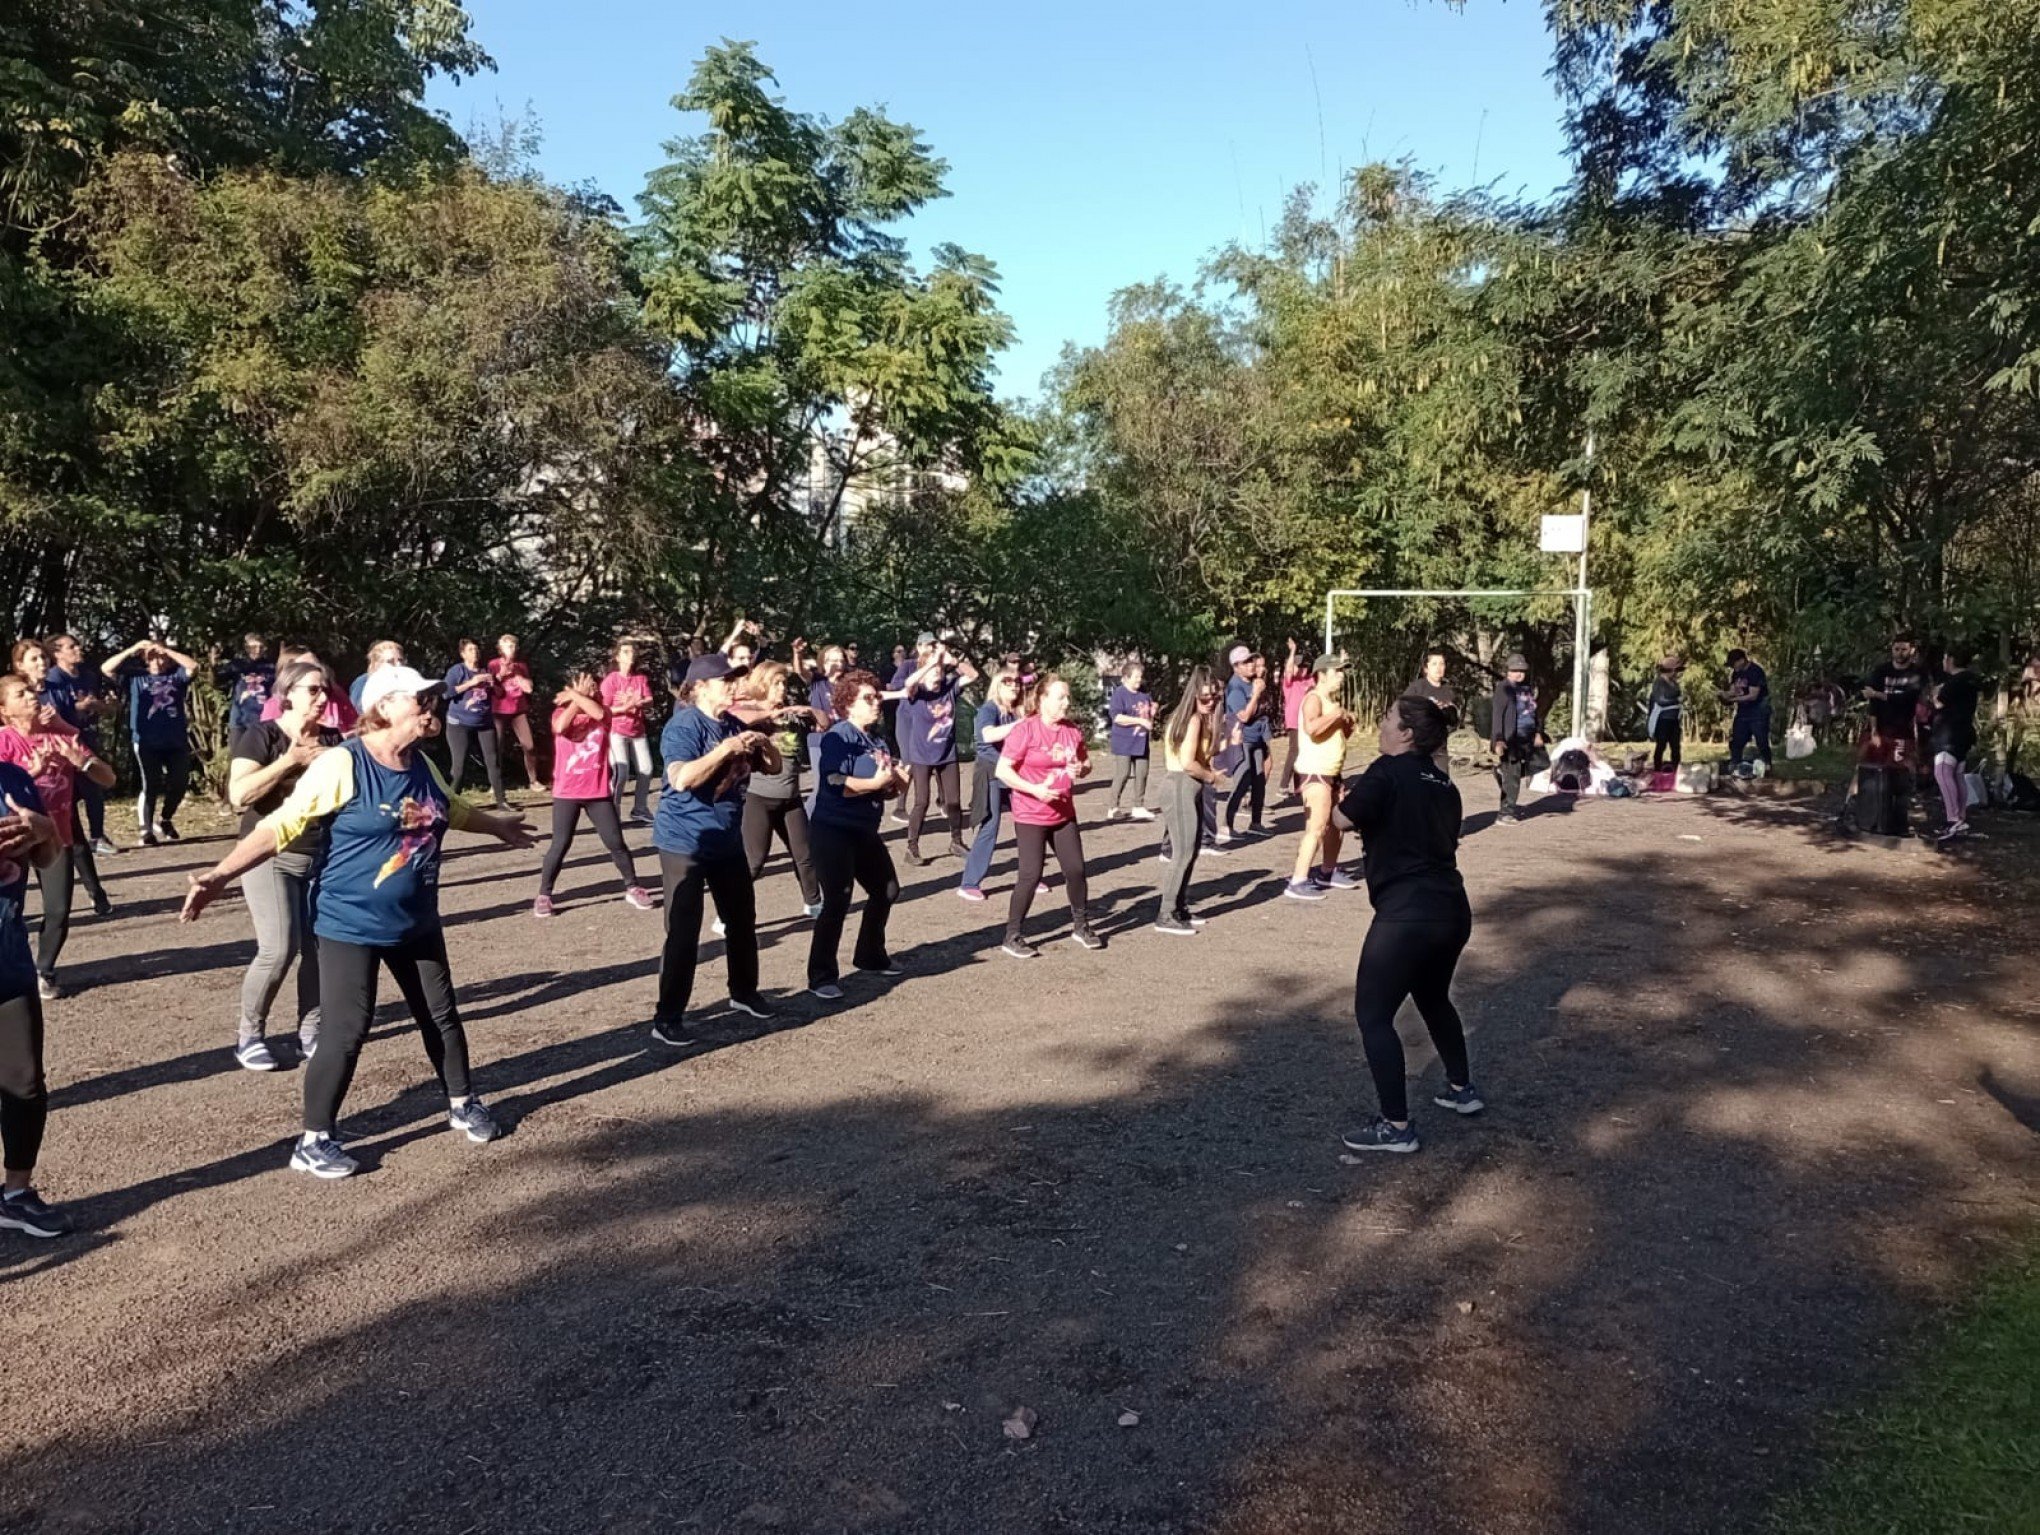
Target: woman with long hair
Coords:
[[627, 692], [55, 757], [513, 703], [471, 721], [380, 811], [32, 659], [1408, 813], [996, 717], [1041, 762], [1323, 728], [28, 839], [772, 801], [268, 759], [1189, 740], [856, 775], [581, 785]]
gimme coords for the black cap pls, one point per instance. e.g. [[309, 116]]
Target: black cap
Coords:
[[714, 664]]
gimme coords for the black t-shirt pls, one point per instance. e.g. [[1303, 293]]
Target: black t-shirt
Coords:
[[1439, 693], [1407, 813], [1896, 712], [262, 743], [1955, 719]]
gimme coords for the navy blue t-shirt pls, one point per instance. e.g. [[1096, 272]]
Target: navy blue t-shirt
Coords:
[[63, 693], [1752, 677], [989, 714], [17, 964], [156, 709], [472, 707], [705, 821], [1125, 740], [1237, 692], [847, 752], [927, 720], [248, 685]]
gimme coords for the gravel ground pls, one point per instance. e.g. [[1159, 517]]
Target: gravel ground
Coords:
[[1757, 1098]]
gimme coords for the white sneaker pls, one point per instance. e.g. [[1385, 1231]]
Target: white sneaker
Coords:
[[1222, 837], [716, 927], [1141, 813], [813, 908]]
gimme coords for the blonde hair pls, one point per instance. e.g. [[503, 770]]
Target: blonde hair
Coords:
[[757, 684]]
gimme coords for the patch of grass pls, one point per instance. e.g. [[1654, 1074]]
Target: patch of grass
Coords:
[[1956, 1446]]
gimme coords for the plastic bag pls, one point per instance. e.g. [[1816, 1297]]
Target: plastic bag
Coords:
[[1799, 742]]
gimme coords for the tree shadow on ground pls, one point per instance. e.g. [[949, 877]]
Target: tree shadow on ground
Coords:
[[1693, 1215]]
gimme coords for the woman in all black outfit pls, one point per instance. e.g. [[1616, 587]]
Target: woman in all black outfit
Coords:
[[1407, 814]]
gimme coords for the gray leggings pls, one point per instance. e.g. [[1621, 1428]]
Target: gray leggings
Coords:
[[1122, 769], [1182, 806], [279, 897], [482, 738]]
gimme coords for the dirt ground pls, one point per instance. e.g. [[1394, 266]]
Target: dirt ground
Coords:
[[1757, 1099]]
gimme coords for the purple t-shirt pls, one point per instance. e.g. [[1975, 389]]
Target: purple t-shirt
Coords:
[[1126, 741], [927, 722]]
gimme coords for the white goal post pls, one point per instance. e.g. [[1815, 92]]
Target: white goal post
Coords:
[[1579, 594]]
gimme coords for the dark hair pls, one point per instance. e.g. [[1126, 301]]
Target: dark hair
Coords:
[[1737, 655], [1438, 651], [843, 692], [1425, 722], [1183, 718], [293, 674], [1905, 637], [1961, 655], [676, 672]]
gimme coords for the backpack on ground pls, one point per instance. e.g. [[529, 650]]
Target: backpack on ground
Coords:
[[1881, 801]]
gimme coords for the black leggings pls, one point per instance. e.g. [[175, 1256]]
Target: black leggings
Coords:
[[1032, 843], [24, 1100], [947, 779], [1413, 960], [482, 738], [788, 817], [845, 856], [165, 772], [347, 977], [602, 816], [1670, 737], [56, 880]]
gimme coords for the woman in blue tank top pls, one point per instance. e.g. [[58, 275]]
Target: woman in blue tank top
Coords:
[[381, 811]]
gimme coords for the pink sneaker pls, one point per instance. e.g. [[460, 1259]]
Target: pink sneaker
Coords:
[[639, 897], [970, 893], [542, 907]]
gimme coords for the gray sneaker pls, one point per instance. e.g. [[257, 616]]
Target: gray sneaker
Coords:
[[323, 1157], [253, 1054], [474, 1120]]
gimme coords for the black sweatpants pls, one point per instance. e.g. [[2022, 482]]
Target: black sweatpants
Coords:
[[1251, 785], [566, 815], [1032, 843], [347, 981], [687, 879], [24, 1099], [1413, 960], [482, 738], [846, 856], [55, 879], [165, 773], [1518, 757], [947, 778], [788, 817], [1669, 739]]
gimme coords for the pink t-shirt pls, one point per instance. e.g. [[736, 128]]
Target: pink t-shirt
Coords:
[[1293, 692], [628, 695], [516, 679], [580, 755], [1044, 753], [54, 783], [339, 713]]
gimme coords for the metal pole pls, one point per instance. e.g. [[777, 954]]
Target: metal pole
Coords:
[[1330, 597], [1580, 625]]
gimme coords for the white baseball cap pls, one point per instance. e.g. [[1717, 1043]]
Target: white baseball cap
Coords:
[[390, 678], [1239, 653]]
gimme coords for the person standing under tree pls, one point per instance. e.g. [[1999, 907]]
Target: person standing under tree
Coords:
[[512, 705], [32, 660], [471, 721], [161, 731], [249, 677], [855, 775], [1132, 713], [1324, 728], [996, 717], [1749, 692], [1246, 700], [1297, 681], [55, 757], [1662, 724], [928, 688], [627, 694], [1041, 763], [581, 786], [28, 840], [1515, 735], [75, 694], [1954, 737], [1188, 742]]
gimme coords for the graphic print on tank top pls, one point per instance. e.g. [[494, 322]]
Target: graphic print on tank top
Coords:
[[419, 820]]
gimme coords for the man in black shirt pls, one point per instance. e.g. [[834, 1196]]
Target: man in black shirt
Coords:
[[1516, 735], [1749, 690], [1895, 689]]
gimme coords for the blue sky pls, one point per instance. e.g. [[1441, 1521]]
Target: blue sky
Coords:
[[1090, 145]]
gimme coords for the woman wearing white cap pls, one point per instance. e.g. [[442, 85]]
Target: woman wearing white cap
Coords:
[[1246, 696], [382, 811]]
